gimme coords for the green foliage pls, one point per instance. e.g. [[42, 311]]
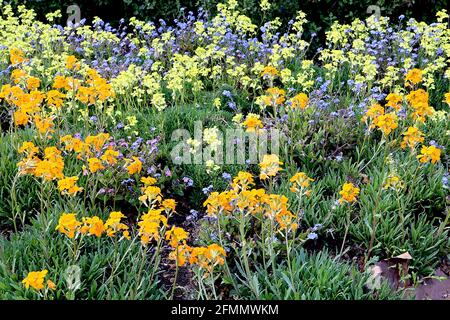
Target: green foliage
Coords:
[[317, 277], [108, 269]]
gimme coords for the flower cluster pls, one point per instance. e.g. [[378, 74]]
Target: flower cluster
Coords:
[[69, 225]]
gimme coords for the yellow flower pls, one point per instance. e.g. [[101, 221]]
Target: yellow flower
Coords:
[[269, 166], [52, 166], [411, 137], [418, 100], [447, 98], [299, 101], [393, 182], [68, 186], [16, 56], [35, 279], [110, 157], [93, 226], [149, 226], [29, 148], [176, 235], [348, 193], [17, 75], [169, 204], [207, 257], [150, 193], [51, 285], [243, 180], [252, 123], [61, 82], [55, 98], [148, 181], [386, 123], [135, 166], [97, 141], [269, 72], [44, 125], [274, 97], [373, 112], [219, 202], [113, 224], [180, 254], [300, 180], [414, 76], [72, 63], [33, 83], [20, 118], [95, 165], [430, 153], [68, 224], [394, 101]]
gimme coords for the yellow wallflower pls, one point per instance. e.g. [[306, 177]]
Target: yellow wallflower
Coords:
[[269, 72], [348, 193], [52, 166], [113, 224], [300, 181], [414, 76], [35, 279], [299, 101], [148, 181], [135, 166], [430, 153], [16, 56], [418, 100], [149, 226], [176, 235], [394, 182], [169, 204], [411, 137], [29, 148], [33, 83], [447, 98], [373, 112], [394, 101], [95, 165], [93, 226], [386, 122], [51, 285], [110, 157], [55, 98], [72, 63], [150, 193], [270, 165], [274, 97], [68, 224], [252, 123], [68, 186]]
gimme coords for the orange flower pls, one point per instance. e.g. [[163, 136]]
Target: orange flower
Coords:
[[414, 76], [430, 153], [176, 235], [411, 137], [299, 101], [110, 157], [68, 186], [93, 226], [35, 279], [348, 193], [135, 166], [269, 166], [95, 165], [68, 224]]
